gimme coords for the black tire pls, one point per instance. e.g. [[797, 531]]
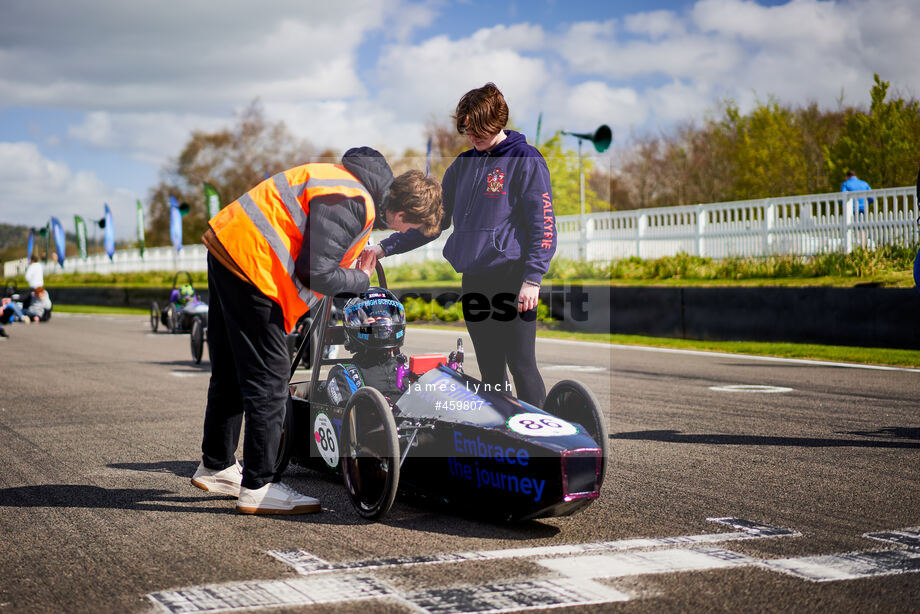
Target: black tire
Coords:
[[574, 402], [370, 453], [196, 339], [154, 316], [286, 445], [307, 359]]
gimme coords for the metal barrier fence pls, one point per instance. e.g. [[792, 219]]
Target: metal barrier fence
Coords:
[[800, 225]]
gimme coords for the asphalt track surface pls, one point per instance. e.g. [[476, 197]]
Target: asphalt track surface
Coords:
[[100, 424]]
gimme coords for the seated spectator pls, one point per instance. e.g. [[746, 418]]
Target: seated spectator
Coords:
[[38, 305], [35, 308], [11, 310]]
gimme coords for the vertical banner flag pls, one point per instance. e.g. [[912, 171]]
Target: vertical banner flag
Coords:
[[30, 245], [211, 200], [60, 241], [175, 223], [80, 226], [108, 240], [140, 227], [47, 235], [428, 158]]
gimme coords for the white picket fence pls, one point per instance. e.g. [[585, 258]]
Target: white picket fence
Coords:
[[801, 225]]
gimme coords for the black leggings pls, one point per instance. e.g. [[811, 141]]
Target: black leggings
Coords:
[[502, 336]]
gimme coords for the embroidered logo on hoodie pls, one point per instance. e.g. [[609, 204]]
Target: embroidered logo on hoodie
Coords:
[[495, 183]]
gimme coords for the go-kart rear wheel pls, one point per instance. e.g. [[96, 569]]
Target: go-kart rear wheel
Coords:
[[574, 402], [154, 316], [172, 319], [370, 453], [196, 339]]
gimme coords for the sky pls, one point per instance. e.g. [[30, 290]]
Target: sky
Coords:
[[96, 97]]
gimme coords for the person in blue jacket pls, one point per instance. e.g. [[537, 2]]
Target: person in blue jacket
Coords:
[[855, 184], [499, 198]]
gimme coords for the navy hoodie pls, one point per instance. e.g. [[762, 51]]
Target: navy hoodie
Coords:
[[500, 203]]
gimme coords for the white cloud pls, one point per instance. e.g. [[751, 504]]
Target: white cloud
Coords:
[[800, 52], [655, 24], [593, 103], [418, 81], [116, 55], [147, 137], [34, 188]]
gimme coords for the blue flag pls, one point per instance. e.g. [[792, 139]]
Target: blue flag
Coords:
[[175, 223], [428, 158], [31, 245], [108, 239], [59, 240]]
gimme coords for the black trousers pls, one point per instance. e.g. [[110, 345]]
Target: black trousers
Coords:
[[249, 377], [502, 336]]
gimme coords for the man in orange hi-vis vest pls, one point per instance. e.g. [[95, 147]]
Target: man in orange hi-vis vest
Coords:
[[271, 254]]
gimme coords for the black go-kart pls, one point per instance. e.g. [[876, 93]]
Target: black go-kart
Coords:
[[443, 438], [182, 309]]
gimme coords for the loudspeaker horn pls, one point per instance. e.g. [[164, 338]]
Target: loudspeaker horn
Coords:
[[602, 137]]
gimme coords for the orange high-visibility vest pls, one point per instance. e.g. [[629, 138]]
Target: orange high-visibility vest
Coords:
[[263, 231]]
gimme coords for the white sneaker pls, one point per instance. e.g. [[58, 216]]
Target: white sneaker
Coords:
[[225, 482], [275, 498]]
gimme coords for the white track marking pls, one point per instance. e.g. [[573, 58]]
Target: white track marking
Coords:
[[751, 388], [514, 596], [903, 537], [624, 564], [307, 563], [270, 594], [849, 566]]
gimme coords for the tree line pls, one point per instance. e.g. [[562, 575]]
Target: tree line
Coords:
[[773, 150]]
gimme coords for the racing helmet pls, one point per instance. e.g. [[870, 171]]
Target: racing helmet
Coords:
[[186, 292], [374, 320]]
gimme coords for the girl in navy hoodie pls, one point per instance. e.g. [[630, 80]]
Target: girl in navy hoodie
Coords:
[[499, 198]]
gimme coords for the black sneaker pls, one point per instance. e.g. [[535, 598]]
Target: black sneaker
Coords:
[[3, 333]]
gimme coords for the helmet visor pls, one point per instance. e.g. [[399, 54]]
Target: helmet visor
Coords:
[[376, 312]]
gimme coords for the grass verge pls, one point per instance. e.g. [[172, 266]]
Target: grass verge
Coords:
[[101, 310], [830, 353]]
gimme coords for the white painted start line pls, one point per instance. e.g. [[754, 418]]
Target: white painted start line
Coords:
[[579, 565], [306, 563]]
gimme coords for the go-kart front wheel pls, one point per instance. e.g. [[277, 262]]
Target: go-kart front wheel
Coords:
[[196, 339], [574, 402], [370, 453], [154, 316]]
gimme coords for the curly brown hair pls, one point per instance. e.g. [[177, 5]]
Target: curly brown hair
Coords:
[[482, 111], [418, 197]]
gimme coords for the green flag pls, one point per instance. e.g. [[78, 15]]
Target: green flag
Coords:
[[211, 199], [140, 227], [81, 235]]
